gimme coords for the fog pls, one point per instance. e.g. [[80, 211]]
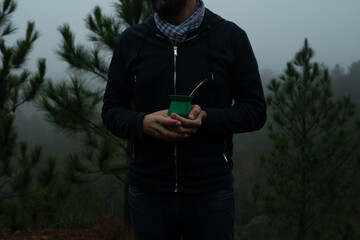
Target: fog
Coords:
[[276, 29]]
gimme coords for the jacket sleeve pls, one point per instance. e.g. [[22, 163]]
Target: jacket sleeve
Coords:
[[248, 112], [116, 111]]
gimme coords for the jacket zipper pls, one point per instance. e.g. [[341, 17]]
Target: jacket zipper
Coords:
[[175, 147], [175, 58], [176, 169], [224, 155]]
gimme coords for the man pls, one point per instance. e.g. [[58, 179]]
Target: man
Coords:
[[180, 173]]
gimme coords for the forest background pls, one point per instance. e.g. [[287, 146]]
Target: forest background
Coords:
[[103, 188]]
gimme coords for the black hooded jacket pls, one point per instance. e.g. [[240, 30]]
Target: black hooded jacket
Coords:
[[146, 67]]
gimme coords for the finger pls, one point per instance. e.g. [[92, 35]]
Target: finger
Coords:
[[187, 123], [168, 121], [184, 130], [195, 111], [176, 116], [170, 134]]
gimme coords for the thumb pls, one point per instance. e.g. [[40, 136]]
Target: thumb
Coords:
[[195, 111]]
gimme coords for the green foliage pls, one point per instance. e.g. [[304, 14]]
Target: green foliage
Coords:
[[19, 165], [239, 234], [7, 7], [132, 12], [103, 29], [73, 106], [354, 69], [17, 176], [8, 137], [57, 205], [47, 174], [10, 217], [17, 85], [347, 83], [311, 168], [80, 57]]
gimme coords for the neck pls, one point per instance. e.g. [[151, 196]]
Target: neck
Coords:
[[184, 14]]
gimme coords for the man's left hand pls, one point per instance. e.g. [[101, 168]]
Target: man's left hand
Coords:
[[197, 118]]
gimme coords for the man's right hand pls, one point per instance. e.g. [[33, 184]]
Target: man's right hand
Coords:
[[161, 126]]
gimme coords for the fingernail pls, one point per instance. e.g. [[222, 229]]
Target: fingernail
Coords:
[[192, 116]]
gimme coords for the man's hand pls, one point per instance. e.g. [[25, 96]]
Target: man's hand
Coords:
[[159, 125], [197, 118]]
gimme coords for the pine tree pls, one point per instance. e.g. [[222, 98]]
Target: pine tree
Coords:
[[74, 105], [311, 169], [20, 173]]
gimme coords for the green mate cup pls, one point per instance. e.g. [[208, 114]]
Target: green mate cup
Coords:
[[180, 104]]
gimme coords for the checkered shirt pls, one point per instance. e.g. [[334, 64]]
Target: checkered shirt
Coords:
[[178, 33]]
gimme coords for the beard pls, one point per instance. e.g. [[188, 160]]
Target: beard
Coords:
[[167, 8]]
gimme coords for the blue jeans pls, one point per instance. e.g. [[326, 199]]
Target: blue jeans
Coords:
[[175, 216]]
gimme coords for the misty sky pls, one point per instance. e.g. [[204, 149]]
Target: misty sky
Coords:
[[276, 29]]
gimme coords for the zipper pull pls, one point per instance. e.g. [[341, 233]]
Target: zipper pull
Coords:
[[226, 160], [175, 51]]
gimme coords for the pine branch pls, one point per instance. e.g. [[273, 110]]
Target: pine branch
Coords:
[[31, 90], [47, 174], [79, 57], [105, 30], [7, 8], [24, 46], [132, 12]]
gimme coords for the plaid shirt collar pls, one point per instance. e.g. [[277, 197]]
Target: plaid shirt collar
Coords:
[[178, 33]]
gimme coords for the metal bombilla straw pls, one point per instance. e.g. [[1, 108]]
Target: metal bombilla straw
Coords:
[[198, 86]]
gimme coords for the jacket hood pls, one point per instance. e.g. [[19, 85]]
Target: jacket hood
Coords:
[[210, 19]]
